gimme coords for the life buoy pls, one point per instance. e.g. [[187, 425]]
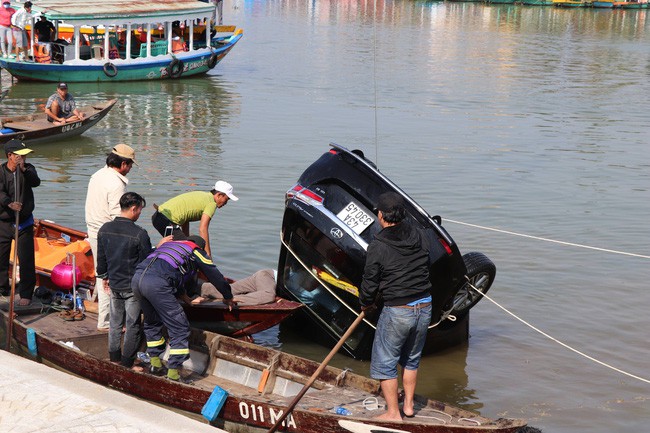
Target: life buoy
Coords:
[[110, 69], [212, 61], [175, 68]]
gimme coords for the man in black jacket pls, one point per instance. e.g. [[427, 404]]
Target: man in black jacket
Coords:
[[397, 269], [17, 178], [121, 245]]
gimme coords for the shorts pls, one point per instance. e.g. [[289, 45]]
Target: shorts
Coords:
[[399, 338], [21, 38]]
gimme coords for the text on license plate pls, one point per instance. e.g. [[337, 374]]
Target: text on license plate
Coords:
[[355, 218]]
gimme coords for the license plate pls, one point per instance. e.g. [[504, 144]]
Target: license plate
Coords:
[[355, 218]]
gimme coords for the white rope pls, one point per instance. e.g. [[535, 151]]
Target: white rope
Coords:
[[604, 364], [643, 256]]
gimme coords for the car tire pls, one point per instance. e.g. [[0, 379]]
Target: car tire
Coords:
[[481, 272]]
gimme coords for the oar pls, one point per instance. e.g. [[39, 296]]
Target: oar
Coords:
[[10, 325], [317, 373]]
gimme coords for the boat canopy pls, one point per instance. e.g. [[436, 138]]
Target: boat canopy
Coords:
[[109, 12]]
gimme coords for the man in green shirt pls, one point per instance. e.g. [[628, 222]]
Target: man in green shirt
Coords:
[[192, 206]]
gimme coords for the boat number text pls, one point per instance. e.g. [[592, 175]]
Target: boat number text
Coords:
[[71, 126], [262, 414]]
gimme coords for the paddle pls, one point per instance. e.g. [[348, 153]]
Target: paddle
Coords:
[[14, 259], [319, 370]]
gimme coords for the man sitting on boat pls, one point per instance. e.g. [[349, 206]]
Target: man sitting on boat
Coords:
[[256, 289], [61, 107]]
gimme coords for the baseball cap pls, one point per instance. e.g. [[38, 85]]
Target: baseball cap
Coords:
[[17, 147], [225, 188], [125, 151], [62, 86]]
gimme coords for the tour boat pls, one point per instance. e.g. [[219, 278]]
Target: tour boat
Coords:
[[122, 40]]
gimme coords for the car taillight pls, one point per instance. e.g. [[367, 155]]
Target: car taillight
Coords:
[[303, 194], [446, 246]]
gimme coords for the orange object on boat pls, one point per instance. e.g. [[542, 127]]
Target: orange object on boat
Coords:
[[51, 252]]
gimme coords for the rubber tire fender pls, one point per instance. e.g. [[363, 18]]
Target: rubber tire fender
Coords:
[[175, 68], [213, 60], [110, 69], [480, 270]]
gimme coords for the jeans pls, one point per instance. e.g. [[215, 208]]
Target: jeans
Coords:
[[25, 259], [125, 311], [399, 338]]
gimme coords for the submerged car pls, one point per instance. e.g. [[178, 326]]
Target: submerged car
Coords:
[[328, 222]]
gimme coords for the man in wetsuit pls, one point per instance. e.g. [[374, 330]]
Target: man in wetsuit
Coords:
[[159, 281]]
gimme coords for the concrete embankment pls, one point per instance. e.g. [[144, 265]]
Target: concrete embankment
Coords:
[[37, 398]]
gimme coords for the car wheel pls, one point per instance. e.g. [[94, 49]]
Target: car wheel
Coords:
[[481, 272]]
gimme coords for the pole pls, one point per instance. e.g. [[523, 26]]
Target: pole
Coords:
[[317, 373], [12, 296]]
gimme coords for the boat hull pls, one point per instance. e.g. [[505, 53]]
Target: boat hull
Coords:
[[246, 409], [52, 132]]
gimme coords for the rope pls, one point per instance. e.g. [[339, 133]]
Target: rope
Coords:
[[643, 256], [591, 358]]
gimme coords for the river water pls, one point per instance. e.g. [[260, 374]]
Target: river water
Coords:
[[514, 123]]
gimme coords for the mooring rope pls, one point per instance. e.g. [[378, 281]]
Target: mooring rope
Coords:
[[643, 256], [591, 358]]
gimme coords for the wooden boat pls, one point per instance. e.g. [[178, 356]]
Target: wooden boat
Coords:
[[125, 41], [260, 382], [35, 128], [52, 243], [603, 4], [537, 2]]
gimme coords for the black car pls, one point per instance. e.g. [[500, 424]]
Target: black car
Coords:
[[330, 219]]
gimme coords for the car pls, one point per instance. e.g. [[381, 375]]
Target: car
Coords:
[[329, 221]]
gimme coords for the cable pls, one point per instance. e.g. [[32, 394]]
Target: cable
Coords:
[[591, 358], [643, 256]]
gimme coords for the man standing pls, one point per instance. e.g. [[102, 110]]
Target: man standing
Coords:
[[105, 189], [158, 281], [192, 206], [6, 34], [61, 108], [45, 30], [121, 245], [20, 20], [397, 268], [17, 178]]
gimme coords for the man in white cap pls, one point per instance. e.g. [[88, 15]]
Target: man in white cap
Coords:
[[177, 213], [105, 188], [17, 178]]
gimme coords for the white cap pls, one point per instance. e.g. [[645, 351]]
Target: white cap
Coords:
[[225, 188]]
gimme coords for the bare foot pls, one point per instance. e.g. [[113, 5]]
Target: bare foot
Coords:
[[138, 369], [58, 123], [24, 302], [389, 417]]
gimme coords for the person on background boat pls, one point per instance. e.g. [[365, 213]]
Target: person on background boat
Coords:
[[17, 178], [397, 269], [19, 20], [44, 30], [105, 189], [256, 289], [192, 206], [158, 281], [6, 35], [121, 245], [61, 107]]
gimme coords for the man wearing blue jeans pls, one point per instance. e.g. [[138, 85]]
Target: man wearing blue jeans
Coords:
[[121, 245], [397, 269]]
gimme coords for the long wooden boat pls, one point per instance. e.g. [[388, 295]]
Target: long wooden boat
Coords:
[[569, 3], [260, 382], [35, 128], [52, 243], [122, 40]]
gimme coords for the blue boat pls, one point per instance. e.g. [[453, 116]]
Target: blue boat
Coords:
[[122, 40]]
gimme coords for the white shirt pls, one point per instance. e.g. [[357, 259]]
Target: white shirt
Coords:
[[105, 188], [20, 18]]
